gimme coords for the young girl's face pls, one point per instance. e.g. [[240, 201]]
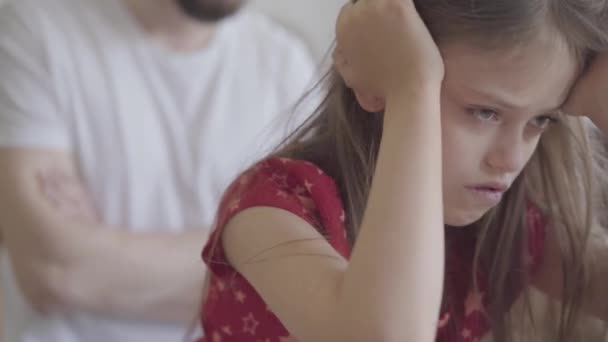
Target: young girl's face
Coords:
[[495, 107]]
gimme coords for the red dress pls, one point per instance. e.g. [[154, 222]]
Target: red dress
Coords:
[[234, 312]]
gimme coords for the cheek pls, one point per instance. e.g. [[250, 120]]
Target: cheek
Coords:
[[529, 145], [463, 146], [528, 152], [461, 162]]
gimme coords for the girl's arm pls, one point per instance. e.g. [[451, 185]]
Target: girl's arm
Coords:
[[391, 289]]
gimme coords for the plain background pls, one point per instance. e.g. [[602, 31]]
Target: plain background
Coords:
[[313, 20]]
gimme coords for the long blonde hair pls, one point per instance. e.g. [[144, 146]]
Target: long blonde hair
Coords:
[[564, 178]]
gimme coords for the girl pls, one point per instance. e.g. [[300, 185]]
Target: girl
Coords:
[[438, 181]]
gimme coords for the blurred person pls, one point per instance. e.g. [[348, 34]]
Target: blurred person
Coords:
[[121, 122]]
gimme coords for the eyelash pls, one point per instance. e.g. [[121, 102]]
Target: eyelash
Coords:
[[549, 119], [475, 111]]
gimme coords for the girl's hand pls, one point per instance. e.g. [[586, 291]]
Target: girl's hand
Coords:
[[589, 97], [384, 50]]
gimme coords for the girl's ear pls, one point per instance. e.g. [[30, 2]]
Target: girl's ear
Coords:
[[369, 103]]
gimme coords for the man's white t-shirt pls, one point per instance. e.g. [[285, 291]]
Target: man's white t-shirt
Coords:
[[157, 134]]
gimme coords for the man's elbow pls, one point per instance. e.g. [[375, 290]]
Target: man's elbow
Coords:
[[52, 286], [38, 284]]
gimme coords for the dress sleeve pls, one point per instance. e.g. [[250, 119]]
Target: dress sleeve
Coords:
[[295, 186]]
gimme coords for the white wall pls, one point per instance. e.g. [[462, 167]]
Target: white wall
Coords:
[[313, 19]]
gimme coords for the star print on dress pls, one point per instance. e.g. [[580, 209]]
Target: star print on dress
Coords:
[[226, 329], [299, 190], [234, 205], [250, 324], [280, 179], [240, 296], [443, 321], [282, 194], [216, 337], [244, 180], [308, 186], [221, 286]]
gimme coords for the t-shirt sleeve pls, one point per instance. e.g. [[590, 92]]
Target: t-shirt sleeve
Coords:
[[295, 186], [29, 96]]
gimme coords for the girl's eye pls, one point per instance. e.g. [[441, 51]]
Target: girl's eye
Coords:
[[484, 114], [543, 122]]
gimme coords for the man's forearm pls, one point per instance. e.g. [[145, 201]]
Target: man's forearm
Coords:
[[157, 276], [65, 257]]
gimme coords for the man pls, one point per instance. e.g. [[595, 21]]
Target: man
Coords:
[[121, 123]]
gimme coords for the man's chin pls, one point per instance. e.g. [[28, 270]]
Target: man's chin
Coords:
[[210, 11]]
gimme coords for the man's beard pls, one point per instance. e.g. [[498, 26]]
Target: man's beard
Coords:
[[210, 10]]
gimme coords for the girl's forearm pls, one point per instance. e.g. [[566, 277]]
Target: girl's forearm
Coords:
[[396, 270]]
